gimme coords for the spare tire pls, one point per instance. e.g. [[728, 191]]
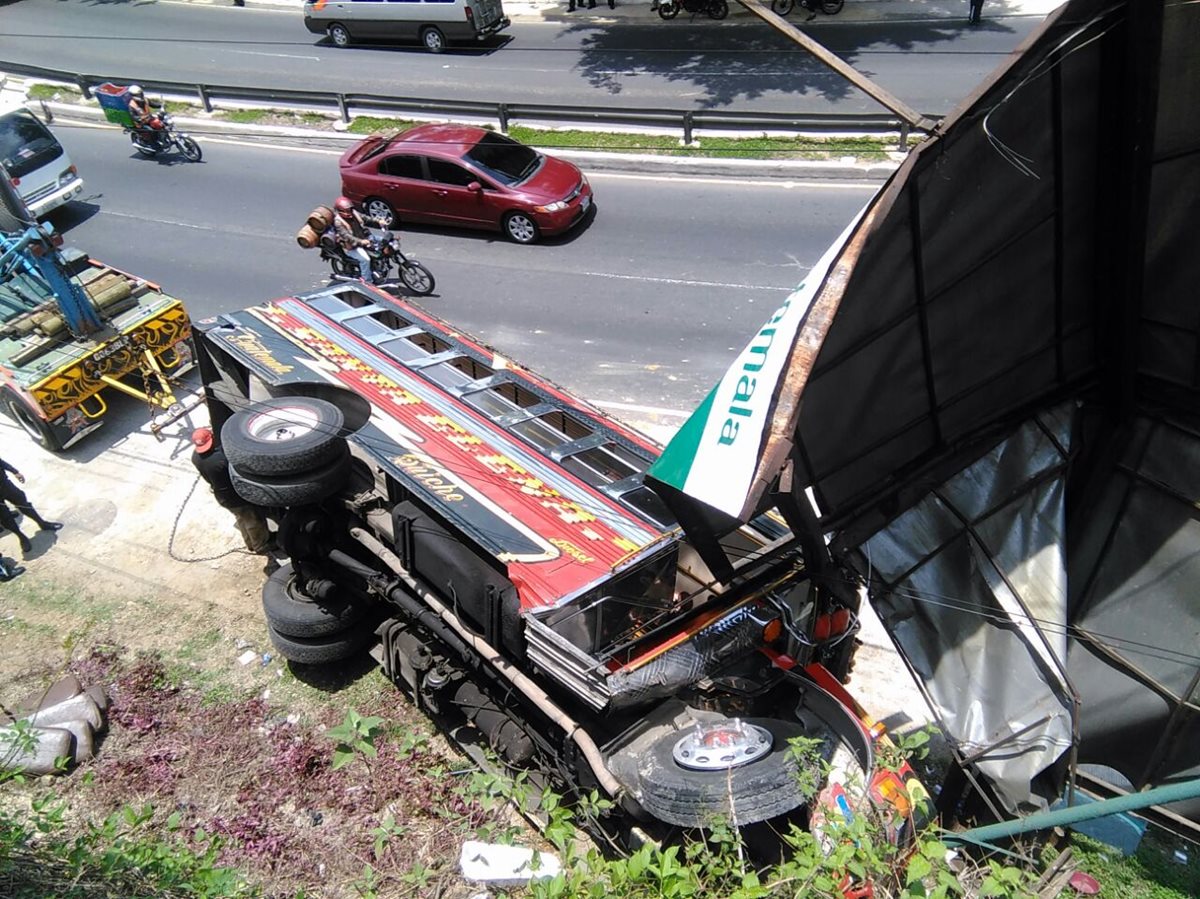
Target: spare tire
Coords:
[[283, 436], [292, 613], [300, 489], [322, 650]]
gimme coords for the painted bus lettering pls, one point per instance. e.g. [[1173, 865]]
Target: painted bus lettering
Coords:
[[739, 407]]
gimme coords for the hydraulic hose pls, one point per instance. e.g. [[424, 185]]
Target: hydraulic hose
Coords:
[[532, 691]]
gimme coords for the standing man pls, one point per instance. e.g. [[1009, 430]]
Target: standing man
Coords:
[[976, 12], [210, 461], [11, 493]]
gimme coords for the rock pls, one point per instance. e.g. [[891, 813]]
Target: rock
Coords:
[[66, 687], [49, 745], [78, 708]]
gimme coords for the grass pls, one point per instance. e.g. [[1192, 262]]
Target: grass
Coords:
[[53, 92], [759, 147], [1153, 872], [244, 116]]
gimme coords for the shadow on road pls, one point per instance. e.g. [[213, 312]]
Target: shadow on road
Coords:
[[723, 65]]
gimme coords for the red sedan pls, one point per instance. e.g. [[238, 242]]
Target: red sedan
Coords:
[[468, 176]]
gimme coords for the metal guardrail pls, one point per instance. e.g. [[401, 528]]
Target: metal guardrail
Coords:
[[686, 121]]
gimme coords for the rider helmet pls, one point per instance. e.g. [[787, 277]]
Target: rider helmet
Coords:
[[343, 205], [135, 90]]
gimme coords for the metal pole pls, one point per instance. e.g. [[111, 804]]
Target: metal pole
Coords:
[[1177, 792], [502, 115], [341, 102], [204, 98]]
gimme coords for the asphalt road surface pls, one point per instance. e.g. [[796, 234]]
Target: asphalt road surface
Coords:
[[741, 66], [646, 304]]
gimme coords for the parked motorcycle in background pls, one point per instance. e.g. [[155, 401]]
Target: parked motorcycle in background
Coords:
[[160, 136], [716, 9], [829, 7]]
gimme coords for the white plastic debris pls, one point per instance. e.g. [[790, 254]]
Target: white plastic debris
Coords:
[[247, 657], [505, 865]]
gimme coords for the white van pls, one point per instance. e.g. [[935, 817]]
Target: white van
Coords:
[[432, 22], [36, 162]]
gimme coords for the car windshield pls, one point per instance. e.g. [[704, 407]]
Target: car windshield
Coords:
[[25, 144], [504, 159]]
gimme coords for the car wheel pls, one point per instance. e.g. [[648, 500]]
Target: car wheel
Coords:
[[322, 650], [749, 793], [339, 36], [293, 613], [300, 489], [283, 436], [433, 39], [520, 228], [33, 424], [382, 210], [782, 7]]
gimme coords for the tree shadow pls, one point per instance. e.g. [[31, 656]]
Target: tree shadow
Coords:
[[724, 65]]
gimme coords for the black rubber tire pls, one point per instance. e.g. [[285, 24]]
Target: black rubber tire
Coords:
[[718, 9], [782, 7], [761, 789], [283, 436], [323, 650], [832, 7], [190, 149], [669, 12], [291, 613], [340, 266], [520, 228], [379, 208], [300, 489], [34, 425], [417, 278], [433, 40], [339, 35], [143, 148]]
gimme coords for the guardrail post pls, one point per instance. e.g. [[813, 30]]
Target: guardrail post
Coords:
[[205, 100], [904, 129], [502, 115], [687, 128], [343, 109], [84, 87]]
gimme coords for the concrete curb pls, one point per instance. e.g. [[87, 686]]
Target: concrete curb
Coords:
[[633, 163]]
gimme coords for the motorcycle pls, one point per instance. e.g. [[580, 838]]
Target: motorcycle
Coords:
[[716, 9], [386, 255], [829, 7], [160, 136]]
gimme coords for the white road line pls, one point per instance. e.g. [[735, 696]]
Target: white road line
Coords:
[[840, 184], [279, 55], [644, 410], [684, 282]]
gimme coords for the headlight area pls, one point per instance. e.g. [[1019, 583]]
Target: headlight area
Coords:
[[557, 206]]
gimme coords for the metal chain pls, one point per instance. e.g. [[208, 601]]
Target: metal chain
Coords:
[[175, 529]]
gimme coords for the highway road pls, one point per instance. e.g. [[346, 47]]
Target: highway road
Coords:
[[736, 65], [645, 305]]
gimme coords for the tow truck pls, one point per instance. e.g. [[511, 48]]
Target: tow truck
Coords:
[[73, 329]]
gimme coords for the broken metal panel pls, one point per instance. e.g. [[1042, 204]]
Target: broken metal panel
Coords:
[[970, 582]]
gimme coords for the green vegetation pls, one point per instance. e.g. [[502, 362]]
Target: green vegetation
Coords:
[[1153, 872], [761, 147], [53, 92], [244, 116]]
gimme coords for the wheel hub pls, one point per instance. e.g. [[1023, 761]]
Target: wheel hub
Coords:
[[725, 744]]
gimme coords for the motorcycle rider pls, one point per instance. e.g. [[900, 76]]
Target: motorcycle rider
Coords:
[[350, 229], [139, 110]]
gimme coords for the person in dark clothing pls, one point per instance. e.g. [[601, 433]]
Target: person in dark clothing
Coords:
[[210, 461], [975, 11], [11, 493]]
